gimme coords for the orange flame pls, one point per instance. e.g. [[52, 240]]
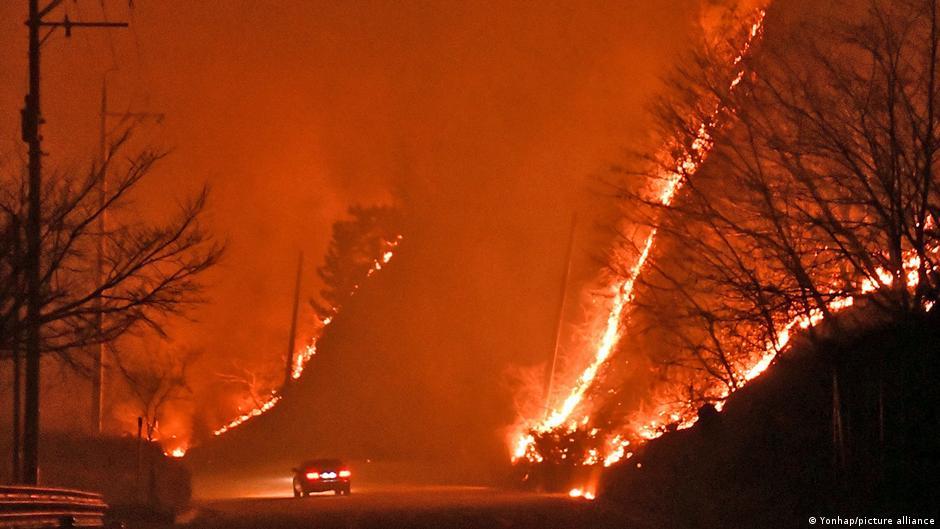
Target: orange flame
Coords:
[[579, 493], [247, 416], [615, 448], [623, 290], [173, 446], [303, 356], [884, 279]]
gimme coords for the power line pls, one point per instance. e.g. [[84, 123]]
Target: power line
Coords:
[[144, 79], [114, 59]]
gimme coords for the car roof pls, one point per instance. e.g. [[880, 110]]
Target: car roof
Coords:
[[321, 463]]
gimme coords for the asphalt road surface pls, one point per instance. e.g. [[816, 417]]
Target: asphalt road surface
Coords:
[[410, 507]]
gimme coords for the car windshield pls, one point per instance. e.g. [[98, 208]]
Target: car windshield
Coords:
[[322, 464]]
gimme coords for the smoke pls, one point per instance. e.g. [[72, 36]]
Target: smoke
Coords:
[[488, 124]]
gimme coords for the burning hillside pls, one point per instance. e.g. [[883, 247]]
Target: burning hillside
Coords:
[[797, 214], [302, 356], [570, 415]]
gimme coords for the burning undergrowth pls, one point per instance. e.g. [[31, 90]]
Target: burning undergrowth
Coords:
[[157, 400], [360, 247], [798, 214], [769, 456], [566, 434]]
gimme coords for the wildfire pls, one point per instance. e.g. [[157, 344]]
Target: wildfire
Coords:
[[248, 415], [303, 356], [579, 493], [883, 279], [173, 446], [622, 290], [618, 449], [868, 285], [614, 448]]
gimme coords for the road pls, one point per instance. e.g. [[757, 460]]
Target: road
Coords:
[[410, 507]]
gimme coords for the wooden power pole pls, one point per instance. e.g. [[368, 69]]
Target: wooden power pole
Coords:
[[31, 122], [97, 375], [292, 339], [561, 313]]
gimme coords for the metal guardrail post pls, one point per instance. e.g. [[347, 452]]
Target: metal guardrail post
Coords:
[[24, 507]]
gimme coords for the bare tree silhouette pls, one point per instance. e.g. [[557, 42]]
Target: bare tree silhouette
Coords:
[[819, 185], [150, 270]]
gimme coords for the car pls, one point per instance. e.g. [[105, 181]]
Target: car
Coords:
[[321, 475]]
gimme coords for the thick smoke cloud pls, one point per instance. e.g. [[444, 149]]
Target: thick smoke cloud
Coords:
[[487, 122]]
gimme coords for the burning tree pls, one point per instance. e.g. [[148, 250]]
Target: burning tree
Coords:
[[153, 380], [360, 247], [252, 383], [819, 187], [797, 181], [589, 411], [358, 244], [147, 270], [818, 193]]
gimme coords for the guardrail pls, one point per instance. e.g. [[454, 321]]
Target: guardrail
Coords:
[[23, 507]]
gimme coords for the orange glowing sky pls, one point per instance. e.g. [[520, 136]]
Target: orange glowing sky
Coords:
[[488, 121]]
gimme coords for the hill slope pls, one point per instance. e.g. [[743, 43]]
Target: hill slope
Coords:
[[770, 458]]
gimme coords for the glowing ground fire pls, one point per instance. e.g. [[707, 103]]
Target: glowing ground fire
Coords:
[[562, 420], [302, 357], [173, 446], [622, 295]]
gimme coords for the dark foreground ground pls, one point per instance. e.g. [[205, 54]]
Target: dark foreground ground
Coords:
[[773, 456], [411, 507]]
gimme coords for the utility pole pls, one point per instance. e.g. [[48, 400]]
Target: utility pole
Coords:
[[31, 121], [17, 459], [17, 410], [97, 373], [293, 323], [97, 376], [561, 312]]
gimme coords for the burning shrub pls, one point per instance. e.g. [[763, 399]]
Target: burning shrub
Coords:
[[797, 180]]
